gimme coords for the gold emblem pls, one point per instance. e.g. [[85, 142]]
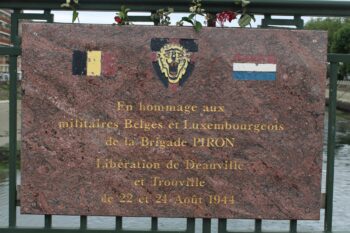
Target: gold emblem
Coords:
[[173, 60]]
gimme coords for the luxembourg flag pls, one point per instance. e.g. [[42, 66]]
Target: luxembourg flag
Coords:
[[254, 71]]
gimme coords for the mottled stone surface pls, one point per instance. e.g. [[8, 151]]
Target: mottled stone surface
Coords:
[[280, 165]]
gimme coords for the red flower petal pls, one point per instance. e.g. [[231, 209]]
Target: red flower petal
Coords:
[[118, 19], [225, 16]]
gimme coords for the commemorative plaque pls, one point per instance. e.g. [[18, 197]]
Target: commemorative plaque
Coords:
[[167, 122]]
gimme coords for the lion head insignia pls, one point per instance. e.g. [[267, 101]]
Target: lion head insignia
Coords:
[[173, 59]]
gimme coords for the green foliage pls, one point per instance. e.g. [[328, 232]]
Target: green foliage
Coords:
[[5, 154], [69, 3], [246, 17], [73, 5], [338, 37], [244, 20], [341, 40], [4, 91], [195, 9], [75, 16], [122, 16], [332, 25], [341, 44], [197, 26], [161, 16]]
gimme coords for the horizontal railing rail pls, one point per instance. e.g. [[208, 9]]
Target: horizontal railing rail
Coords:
[[286, 7]]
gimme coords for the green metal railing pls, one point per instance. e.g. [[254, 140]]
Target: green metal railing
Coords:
[[338, 8], [268, 8]]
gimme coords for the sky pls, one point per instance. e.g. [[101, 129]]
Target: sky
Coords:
[[108, 17]]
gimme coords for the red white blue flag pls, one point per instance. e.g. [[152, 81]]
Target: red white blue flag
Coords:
[[260, 68]]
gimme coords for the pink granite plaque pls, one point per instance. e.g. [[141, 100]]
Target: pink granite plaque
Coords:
[[167, 122]]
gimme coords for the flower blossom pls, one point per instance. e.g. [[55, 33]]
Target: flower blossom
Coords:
[[225, 16], [118, 19]]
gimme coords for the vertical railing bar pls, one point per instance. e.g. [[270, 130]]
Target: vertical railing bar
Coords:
[[118, 223], [48, 221], [331, 145], [154, 224], [83, 222], [190, 225], [155, 22], [299, 22], [49, 16], [222, 225], [258, 226], [206, 225], [13, 140], [13, 122], [293, 226], [264, 20]]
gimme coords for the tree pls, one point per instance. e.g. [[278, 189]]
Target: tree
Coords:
[[341, 40], [332, 25], [338, 37], [341, 44]]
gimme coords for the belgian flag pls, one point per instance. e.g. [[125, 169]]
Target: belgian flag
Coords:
[[93, 63]]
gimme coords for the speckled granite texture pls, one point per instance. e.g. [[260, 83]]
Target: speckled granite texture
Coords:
[[280, 166]]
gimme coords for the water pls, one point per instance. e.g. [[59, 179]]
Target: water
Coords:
[[341, 201]]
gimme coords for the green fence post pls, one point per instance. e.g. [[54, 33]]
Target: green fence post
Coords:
[[83, 223], [13, 122], [331, 145], [154, 224], [118, 224], [206, 225], [48, 221], [258, 226], [190, 225], [293, 226], [222, 225]]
